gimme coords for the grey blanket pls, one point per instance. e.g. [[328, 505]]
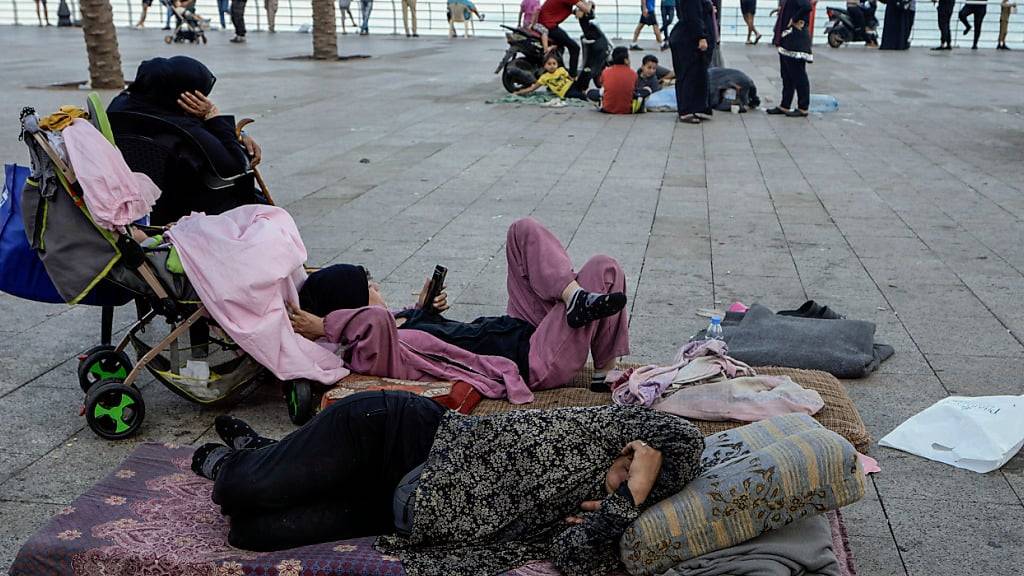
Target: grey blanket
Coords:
[[802, 548], [843, 348]]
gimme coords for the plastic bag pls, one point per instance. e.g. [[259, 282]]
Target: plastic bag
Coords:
[[979, 434], [21, 271]]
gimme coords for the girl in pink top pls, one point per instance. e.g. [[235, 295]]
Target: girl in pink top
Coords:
[[528, 13]]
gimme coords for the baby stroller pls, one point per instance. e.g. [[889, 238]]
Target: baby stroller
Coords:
[[189, 27], [82, 258]]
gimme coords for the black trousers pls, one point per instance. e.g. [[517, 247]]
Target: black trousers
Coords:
[[856, 16], [238, 16], [691, 66], [332, 479], [945, 10], [668, 13], [794, 79], [560, 37], [979, 11]]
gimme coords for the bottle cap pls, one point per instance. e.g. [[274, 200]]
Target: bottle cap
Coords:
[[716, 320]]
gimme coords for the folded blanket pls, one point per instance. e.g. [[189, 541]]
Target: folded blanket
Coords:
[[803, 548], [843, 348], [747, 399]]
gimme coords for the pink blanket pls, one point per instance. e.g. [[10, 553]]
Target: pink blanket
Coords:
[[245, 265], [746, 399], [114, 195]]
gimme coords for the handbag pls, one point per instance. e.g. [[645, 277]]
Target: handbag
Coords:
[[22, 273]]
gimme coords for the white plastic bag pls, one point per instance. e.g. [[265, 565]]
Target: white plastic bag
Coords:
[[979, 434]]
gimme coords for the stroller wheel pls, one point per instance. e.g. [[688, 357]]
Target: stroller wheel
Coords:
[[168, 39], [299, 398], [114, 410], [102, 363]]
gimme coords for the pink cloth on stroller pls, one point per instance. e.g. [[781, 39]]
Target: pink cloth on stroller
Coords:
[[245, 264], [114, 195]]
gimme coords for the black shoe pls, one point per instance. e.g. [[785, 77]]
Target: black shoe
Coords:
[[937, 48], [208, 459], [776, 111], [967, 30], [585, 307], [796, 113], [237, 434], [975, 47]]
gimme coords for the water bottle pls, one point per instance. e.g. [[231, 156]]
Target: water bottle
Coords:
[[714, 331], [823, 103]]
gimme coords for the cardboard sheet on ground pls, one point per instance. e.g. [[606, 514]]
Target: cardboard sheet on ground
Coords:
[[979, 434]]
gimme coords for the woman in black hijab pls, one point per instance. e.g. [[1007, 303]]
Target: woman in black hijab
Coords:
[[177, 91], [692, 42], [794, 46]]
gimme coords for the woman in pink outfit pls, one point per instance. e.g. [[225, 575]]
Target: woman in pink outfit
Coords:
[[556, 318]]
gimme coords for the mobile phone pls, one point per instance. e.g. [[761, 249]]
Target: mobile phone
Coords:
[[434, 288]]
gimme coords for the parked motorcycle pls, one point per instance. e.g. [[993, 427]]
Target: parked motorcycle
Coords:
[[523, 61], [841, 29]]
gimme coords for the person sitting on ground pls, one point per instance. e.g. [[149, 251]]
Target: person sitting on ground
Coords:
[[556, 79], [651, 76], [619, 82], [452, 495], [177, 90], [555, 318], [728, 87]]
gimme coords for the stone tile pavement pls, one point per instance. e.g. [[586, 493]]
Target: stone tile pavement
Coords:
[[904, 208]]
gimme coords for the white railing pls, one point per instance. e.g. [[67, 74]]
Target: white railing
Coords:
[[617, 17]]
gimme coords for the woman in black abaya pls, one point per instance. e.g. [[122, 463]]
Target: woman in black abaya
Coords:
[[692, 42], [899, 21]]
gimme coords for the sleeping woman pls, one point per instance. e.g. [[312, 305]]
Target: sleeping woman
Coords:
[[453, 495]]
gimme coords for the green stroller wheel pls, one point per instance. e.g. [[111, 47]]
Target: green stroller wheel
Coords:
[[114, 410], [102, 363], [299, 398]]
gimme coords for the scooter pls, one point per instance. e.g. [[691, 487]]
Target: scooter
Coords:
[[840, 28], [523, 60]]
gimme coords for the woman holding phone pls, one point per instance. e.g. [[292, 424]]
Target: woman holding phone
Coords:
[[556, 317]]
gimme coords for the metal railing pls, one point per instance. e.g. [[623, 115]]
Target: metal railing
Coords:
[[617, 18]]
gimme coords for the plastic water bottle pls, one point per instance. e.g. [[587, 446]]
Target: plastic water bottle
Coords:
[[823, 103], [714, 331]]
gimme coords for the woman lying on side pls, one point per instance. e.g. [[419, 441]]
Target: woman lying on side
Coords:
[[454, 495]]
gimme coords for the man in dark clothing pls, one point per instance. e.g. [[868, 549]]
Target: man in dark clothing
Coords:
[[552, 14], [238, 19], [945, 12]]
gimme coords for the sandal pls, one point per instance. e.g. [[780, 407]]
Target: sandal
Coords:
[[776, 110], [757, 39], [796, 113], [689, 119]]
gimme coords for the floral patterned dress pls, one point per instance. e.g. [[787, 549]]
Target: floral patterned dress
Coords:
[[495, 490]]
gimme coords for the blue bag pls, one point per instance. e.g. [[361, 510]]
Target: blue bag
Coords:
[[21, 271]]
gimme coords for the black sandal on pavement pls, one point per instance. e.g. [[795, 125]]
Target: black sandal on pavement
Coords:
[[796, 113], [689, 119], [776, 110]]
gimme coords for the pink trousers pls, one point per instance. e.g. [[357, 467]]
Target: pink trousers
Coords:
[[539, 269]]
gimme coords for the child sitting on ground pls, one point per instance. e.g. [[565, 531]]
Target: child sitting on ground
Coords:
[[556, 79], [619, 83], [651, 76]]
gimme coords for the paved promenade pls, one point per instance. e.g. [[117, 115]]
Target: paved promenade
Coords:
[[905, 208]]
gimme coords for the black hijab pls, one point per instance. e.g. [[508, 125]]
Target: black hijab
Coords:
[[159, 81], [337, 287]]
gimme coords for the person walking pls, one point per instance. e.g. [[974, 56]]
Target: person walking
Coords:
[[45, 12], [271, 7], [647, 18], [978, 8], [668, 13], [945, 12], [238, 20], [409, 6], [692, 44], [794, 44], [345, 7], [1008, 8], [552, 14], [223, 7], [748, 8]]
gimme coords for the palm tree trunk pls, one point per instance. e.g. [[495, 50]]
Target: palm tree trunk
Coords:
[[325, 32], [101, 44]]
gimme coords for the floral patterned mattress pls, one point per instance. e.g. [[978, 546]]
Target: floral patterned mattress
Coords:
[[153, 517]]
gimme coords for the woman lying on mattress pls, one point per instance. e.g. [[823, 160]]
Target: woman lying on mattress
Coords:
[[556, 316], [452, 495]]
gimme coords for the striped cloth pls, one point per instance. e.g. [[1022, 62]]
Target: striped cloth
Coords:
[[757, 478]]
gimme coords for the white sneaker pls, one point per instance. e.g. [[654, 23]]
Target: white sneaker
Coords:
[[554, 103]]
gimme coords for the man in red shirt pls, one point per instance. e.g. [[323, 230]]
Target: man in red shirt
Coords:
[[619, 83], [551, 15]]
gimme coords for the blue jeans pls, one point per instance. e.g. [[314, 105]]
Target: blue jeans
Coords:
[[365, 7], [223, 7]]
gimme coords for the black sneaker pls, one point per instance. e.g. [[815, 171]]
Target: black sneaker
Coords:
[[585, 307]]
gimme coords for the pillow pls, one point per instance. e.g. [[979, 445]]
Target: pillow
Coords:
[[757, 478]]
